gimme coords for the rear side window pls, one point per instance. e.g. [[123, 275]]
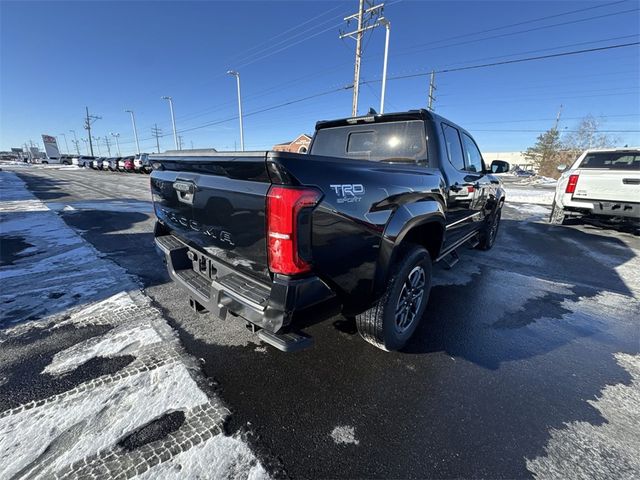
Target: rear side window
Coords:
[[454, 147], [473, 158], [612, 160], [399, 141]]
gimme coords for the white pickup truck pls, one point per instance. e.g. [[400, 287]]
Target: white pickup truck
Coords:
[[601, 184]]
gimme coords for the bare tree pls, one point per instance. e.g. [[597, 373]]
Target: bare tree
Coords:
[[550, 150], [586, 135]]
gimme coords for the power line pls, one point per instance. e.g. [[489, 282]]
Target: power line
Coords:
[[538, 131], [571, 22], [483, 122], [398, 77], [525, 22], [507, 62]]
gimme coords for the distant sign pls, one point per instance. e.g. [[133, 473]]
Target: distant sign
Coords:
[[50, 146], [17, 150]]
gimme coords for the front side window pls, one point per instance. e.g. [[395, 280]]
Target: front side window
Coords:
[[472, 156], [454, 147], [387, 141]]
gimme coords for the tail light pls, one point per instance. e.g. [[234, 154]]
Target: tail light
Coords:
[[288, 228], [571, 185]]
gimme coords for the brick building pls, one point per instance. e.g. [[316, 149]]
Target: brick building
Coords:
[[299, 145]]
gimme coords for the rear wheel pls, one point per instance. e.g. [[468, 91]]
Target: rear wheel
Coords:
[[391, 322], [557, 216], [489, 231]]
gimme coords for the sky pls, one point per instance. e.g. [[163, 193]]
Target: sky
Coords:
[[58, 57]]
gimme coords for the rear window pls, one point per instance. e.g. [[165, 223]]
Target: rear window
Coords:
[[398, 141], [612, 160]]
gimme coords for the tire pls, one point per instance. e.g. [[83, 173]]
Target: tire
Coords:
[[557, 216], [383, 325], [489, 231]]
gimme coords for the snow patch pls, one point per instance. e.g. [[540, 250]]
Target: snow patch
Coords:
[[80, 425], [116, 342], [529, 195], [344, 435], [219, 457], [581, 450]]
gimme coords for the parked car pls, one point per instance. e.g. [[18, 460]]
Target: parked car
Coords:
[[111, 164], [97, 163], [129, 164], [355, 224], [122, 163], [82, 161], [601, 184], [141, 163]]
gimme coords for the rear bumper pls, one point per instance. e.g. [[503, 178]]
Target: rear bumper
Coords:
[[223, 290], [601, 207]]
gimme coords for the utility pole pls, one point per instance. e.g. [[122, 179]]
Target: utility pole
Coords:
[[75, 140], [191, 144], [116, 136], [108, 144], [432, 89], [88, 121], [558, 118], [179, 142], [156, 132], [366, 21]]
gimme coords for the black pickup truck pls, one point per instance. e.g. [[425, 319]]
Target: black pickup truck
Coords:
[[279, 238]]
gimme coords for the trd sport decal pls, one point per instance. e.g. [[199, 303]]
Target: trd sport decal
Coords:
[[348, 192]]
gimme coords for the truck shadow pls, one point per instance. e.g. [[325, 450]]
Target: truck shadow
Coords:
[[490, 312]]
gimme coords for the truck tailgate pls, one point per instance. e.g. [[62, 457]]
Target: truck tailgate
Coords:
[[217, 205], [608, 185]]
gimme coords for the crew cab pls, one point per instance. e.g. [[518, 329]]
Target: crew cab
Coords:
[[601, 184], [279, 238]]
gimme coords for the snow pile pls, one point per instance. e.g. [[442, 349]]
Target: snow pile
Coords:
[[537, 196], [538, 180]]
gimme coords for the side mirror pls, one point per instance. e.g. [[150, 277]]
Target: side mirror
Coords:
[[561, 168], [500, 166]]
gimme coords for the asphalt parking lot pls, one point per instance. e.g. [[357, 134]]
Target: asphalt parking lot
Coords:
[[526, 363]]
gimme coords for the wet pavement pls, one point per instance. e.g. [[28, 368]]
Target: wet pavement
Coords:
[[526, 354]]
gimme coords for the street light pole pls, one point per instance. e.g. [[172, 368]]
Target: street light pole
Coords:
[[387, 25], [237, 75], [173, 121], [65, 142], [97, 140], [75, 140], [135, 130], [116, 136], [86, 144]]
